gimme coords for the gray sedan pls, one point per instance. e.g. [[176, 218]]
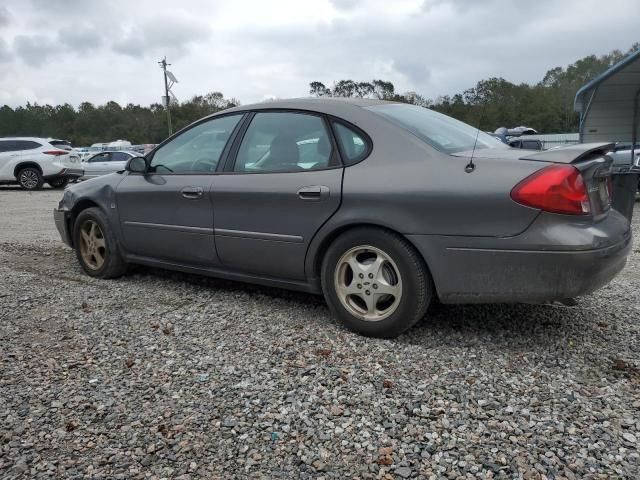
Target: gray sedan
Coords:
[[382, 207]]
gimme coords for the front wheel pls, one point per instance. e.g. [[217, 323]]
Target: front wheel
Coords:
[[58, 182], [96, 246], [375, 282]]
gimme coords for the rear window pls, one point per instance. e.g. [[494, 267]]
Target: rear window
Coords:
[[440, 131], [63, 144]]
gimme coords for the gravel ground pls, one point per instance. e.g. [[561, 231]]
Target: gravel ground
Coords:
[[165, 375]]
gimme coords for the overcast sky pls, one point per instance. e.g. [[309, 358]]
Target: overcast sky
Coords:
[[56, 51]]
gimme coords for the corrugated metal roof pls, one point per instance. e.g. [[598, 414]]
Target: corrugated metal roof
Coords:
[[608, 103]]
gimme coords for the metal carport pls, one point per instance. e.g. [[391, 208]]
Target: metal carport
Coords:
[[608, 107]]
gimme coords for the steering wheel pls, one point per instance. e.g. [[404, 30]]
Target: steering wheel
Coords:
[[203, 165]]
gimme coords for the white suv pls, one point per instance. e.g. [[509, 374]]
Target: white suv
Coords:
[[31, 161]]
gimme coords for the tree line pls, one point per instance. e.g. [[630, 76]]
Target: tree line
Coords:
[[546, 106], [90, 124]]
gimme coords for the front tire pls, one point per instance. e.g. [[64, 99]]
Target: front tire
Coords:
[[30, 178], [96, 246], [375, 282], [58, 183]]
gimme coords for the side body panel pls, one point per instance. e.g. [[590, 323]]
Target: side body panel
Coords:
[[264, 226], [158, 221]]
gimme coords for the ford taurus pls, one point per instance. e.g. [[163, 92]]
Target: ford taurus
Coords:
[[382, 207]]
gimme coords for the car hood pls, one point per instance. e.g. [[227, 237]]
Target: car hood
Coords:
[[568, 154]]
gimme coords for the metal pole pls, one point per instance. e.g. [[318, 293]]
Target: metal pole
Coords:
[[163, 65]]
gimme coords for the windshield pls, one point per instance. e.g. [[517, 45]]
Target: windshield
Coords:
[[440, 131]]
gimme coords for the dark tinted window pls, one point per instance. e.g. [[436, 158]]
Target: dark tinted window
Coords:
[[7, 146], [120, 157], [354, 146], [197, 150], [101, 157], [63, 144], [26, 145], [284, 142], [440, 131], [531, 144]]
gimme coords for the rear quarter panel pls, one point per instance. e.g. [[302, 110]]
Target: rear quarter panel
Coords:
[[414, 189]]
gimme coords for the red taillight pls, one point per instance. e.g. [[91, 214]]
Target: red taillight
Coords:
[[57, 153], [558, 189]]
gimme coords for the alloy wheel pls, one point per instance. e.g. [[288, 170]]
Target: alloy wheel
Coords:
[[29, 179], [367, 282], [92, 245]]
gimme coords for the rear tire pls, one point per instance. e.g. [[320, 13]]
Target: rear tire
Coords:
[[30, 178], [58, 183], [96, 246], [375, 282]]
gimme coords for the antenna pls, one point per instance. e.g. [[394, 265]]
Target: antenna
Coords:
[[470, 167]]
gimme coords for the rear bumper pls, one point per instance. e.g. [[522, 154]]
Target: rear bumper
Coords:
[[60, 217], [66, 173], [468, 271]]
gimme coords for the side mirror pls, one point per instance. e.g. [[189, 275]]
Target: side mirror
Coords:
[[137, 165]]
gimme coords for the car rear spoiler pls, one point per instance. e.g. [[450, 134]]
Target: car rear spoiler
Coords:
[[571, 153]]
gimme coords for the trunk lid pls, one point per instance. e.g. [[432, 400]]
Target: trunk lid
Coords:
[[590, 159]]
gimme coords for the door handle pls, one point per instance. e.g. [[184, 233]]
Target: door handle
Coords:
[[314, 193], [192, 193]]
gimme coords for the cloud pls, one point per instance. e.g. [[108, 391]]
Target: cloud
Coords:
[[5, 16], [166, 34], [5, 55], [344, 4], [34, 50], [250, 48], [82, 40]]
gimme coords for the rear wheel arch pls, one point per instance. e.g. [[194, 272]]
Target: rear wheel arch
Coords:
[[22, 165], [318, 256], [405, 276]]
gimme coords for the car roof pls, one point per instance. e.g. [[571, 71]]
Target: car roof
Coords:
[[135, 154], [35, 139], [320, 104]]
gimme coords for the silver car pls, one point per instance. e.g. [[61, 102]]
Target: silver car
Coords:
[[106, 162], [382, 207]]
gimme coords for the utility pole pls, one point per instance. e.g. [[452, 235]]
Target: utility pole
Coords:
[[163, 65]]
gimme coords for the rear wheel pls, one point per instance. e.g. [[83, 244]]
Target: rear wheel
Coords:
[[96, 246], [58, 182], [375, 282], [30, 178]]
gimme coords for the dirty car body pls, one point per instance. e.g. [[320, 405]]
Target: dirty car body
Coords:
[[452, 200]]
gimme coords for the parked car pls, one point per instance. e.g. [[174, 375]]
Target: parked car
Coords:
[[106, 162], [87, 152], [525, 143], [381, 206], [622, 162], [30, 162]]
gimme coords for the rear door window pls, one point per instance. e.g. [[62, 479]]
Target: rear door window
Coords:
[[26, 145], [284, 142], [120, 157]]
